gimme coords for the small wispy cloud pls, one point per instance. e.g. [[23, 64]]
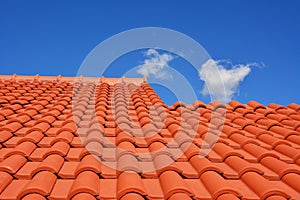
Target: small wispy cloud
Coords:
[[155, 65], [222, 78]]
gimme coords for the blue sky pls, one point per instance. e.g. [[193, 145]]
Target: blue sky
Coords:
[[54, 37]]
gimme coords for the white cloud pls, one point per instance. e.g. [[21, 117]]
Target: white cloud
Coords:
[[155, 65], [223, 86]]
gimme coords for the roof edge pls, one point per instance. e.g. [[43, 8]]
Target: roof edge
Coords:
[[102, 79]]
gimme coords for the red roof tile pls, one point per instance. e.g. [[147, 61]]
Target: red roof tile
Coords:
[[115, 139]]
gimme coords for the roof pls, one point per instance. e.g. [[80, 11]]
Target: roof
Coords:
[[116, 139]]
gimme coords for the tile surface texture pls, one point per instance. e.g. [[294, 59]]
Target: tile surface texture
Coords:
[[116, 139]]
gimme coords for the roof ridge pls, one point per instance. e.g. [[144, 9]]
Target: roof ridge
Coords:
[[59, 77]]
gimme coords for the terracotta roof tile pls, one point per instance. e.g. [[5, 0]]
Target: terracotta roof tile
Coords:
[[120, 141], [34, 197], [172, 183], [85, 182], [42, 183], [129, 181], [5, 180]]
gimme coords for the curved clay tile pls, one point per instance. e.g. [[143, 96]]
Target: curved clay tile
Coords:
[[5, 135], [83, 196], [92, 135], [268, 123], [258, 152], [261, 186], [52, 163], [235, 105], [47, 119], [41, 126], [149, 129], [94, 147], [154, 137], [125, 147], [265, 111], [60, 148], [217, 104], [201, 129], [68, 169], [217, 122], [122, 118], [172, 183], [121, 112], [294, 106], [242, 122], [34, 137], [229, 130], [12, 127], [180, 196], [100, 107], [25, 149], [34, 197], [283, 131], [63, 102], [128, 162], [294, 137], [255, 105], [42, 183], [70, 126], [122, 136], [241, 166], [243, 111], [145, 120], [157, 101], [14, 107], [193, 121], [190, 149], [88, 163], [46, 142], [288, 151], [126, 128], [23, 118], [256, 131], [38, 154], [153, 188], [188, 171], [203, 164], [292, 180], [242, 140], [12, 164], [120, 104], [157, 148], [64, 136], [291, 123], [130, 182], [85, 182], [253, 117], [76, 154], [198, 104], [164, 163], [279, 167], [54, 112], [276, 106], [225, 151], [170, 120], [216, 185], [173, 128], [277, 117], [228, 196], [140, 106], [6, 112], [272, 141]]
